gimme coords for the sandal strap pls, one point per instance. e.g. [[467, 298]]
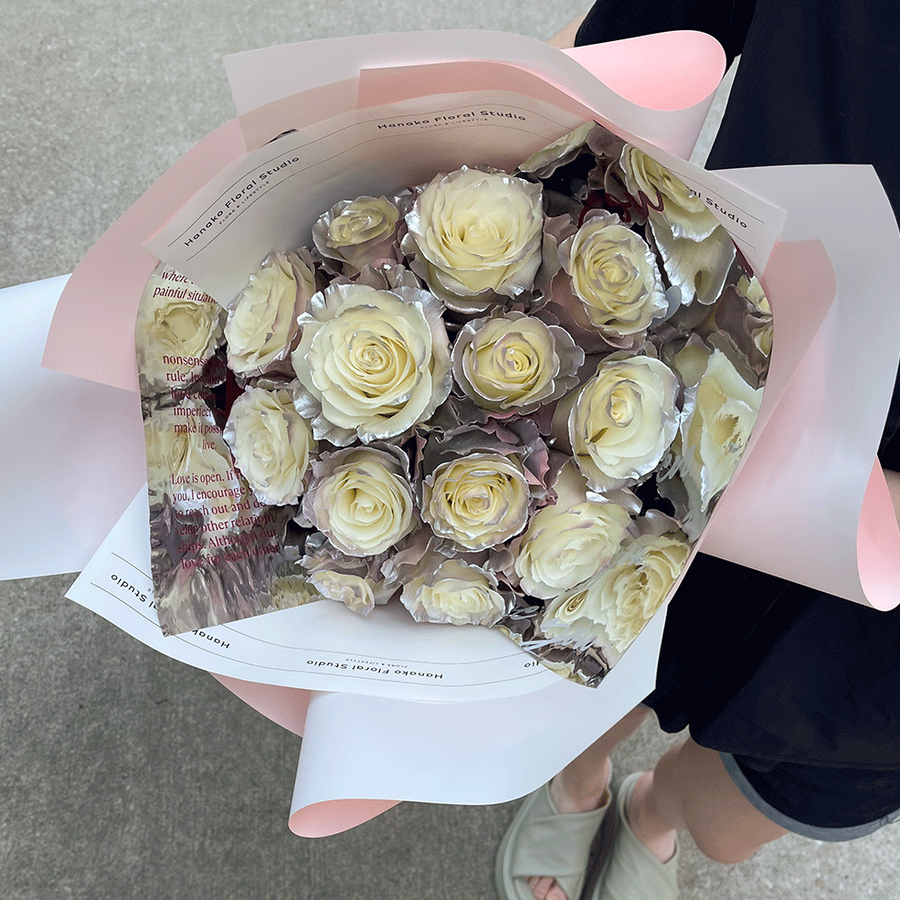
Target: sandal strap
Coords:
[[632, 872], [555, 845]]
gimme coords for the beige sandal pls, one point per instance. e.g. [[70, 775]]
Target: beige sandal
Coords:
[[542, 842], [631, 871]]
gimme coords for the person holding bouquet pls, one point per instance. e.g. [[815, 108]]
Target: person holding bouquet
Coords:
[[791, 696]]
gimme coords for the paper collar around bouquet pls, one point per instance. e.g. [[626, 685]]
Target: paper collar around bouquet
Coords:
[[381, 131]]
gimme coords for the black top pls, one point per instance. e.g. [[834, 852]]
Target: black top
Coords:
[[755, 665]]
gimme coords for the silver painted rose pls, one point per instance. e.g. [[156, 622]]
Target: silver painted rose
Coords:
[[474, 235], [374, 363], [514, 363], [262, 321]]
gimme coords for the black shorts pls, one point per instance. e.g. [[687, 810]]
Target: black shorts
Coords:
[[814, 801], [799, 691]]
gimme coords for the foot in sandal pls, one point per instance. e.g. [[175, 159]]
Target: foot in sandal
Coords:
[[544, 854]]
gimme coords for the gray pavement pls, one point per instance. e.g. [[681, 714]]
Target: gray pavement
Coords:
[[122, 773]]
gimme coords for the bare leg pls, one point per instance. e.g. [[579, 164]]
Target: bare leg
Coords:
[[690, 789], [565, 38], [581, 786]]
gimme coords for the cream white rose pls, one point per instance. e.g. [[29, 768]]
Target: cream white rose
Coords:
[[614, 274], [636, 584], [320, 555], [353, 591], [358, 231], [455, 593], [477, 501], [177, 331], [763, 332], [376, 362], [514, 362], [262, 321], [690, 360], [361, 500], [188, 460], [561, 151], [569, 671], [568, 544], [616, 605], [288, 591], [720, 412], [271, 444], [570, 620], [667, 195], [698, 268], [763, 337], [751, 290], [475, 234], [622, 422]]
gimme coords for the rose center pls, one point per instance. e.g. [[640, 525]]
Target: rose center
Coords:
[[621, 408], [376, 364], [514, 359], [479, 237], [509, 362], [727, 434], [474, 502], [182, 324], [574, 603], [615, 272], [631, 602], [349, 228], [365, 509]]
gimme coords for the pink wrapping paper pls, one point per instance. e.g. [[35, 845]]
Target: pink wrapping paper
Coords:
[[811, 503], [109, 280]]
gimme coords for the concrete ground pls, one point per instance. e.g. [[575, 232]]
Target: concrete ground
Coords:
[[124, 774]]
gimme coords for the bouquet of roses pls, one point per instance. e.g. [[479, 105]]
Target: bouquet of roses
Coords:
[[508, 400]]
